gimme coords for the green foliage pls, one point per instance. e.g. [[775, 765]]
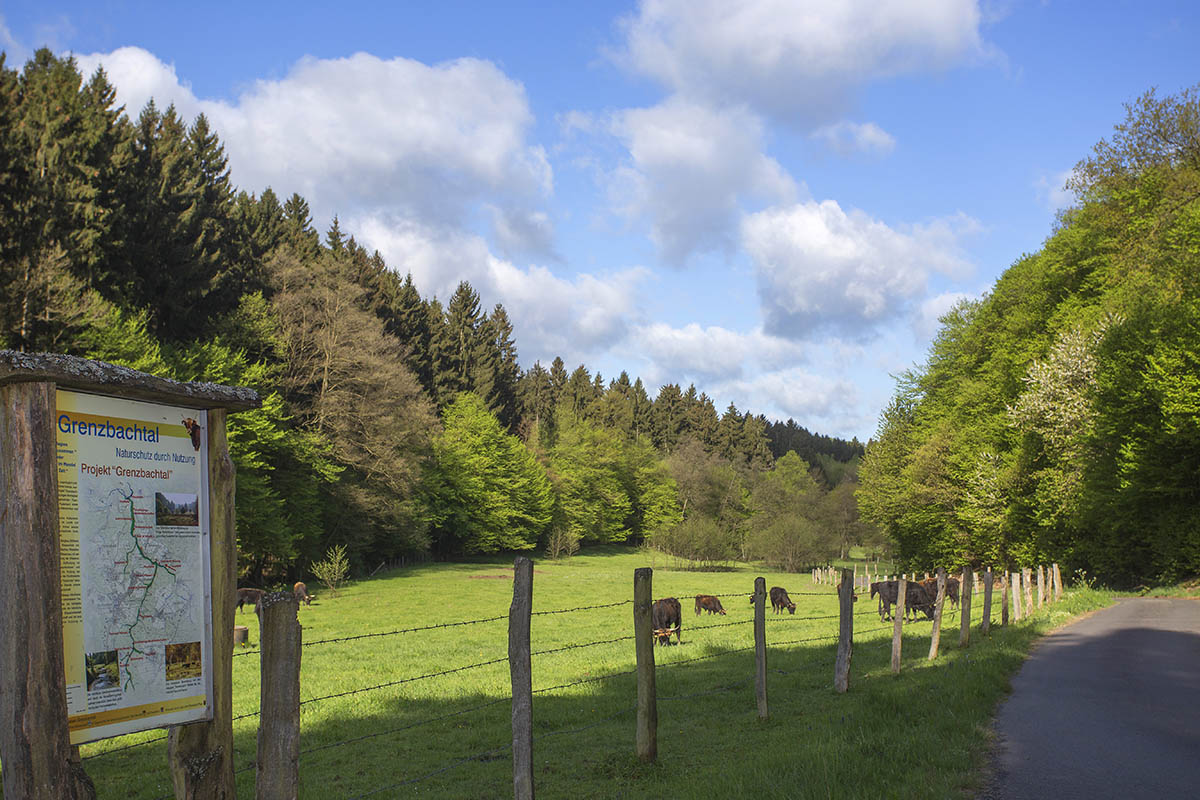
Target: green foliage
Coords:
[[488, 492], [333, 569]]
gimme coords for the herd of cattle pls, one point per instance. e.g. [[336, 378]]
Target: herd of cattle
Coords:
[[254, 597], [666, 615], [919, 596]]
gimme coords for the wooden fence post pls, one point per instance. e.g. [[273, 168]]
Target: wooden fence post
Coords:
[[987, 602], [643, 631], [1041, 586], [278, 767], [964, 601], [1017, 610], [1058, 588], [1027, 581], [898, 623], [35, 744], [1004, 599], [845, 651], [520, 670], [760, 646], [935, 637]]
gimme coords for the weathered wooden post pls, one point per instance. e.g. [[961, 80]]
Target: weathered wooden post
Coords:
[[71, 426], [845, 651], [898, 623], [1018, 614], [1041, 586], [987, 602], [643, 631], [965, 596], [1058, 587], [520, 670], [935, 637], [278, 767], [1004, 599], [760, 646], [1027, 583]]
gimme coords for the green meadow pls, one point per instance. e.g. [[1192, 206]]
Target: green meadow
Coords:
[[920, 734]]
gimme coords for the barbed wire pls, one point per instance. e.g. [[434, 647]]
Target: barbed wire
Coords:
[[583, 644], [124, 747], [720, 625], [596, 724], [404, 680], [606, 676], [481, 756], [719, 690], [794, 618], [584, 608]]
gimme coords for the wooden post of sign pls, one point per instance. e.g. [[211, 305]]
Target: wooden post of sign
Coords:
[[935, 637], [898, 623], [35, 745], [845, 651], [964, 636], [1016, 593], [643, 631], [278, 766], [1058, 589], [201, 753], [520, 614], [1004, 599], [1027, 582], [987, 602], [760, 646]]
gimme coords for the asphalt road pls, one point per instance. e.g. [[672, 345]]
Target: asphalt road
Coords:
[[1106, 707]]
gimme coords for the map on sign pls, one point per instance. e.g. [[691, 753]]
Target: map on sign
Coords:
[[135, 564]]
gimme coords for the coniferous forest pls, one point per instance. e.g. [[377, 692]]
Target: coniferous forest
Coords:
[[393, 424]]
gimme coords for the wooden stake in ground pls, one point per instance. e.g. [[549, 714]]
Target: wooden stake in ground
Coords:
[[520, 671], [1027, 582], [643, 631], [898, 624], [1058, 589], [1041, 586], [760, 645], [278, 766], [845, 651], [1018, 612], [935, 637], [987, 602], [964, 635], [1004, 601]]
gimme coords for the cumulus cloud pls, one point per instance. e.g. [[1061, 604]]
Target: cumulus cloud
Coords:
[[828, 403], [713, 352], [929, 315], [1052, 190], [572, 317], [822, 268], [847, 138], [689, 167], [425, 142], [795, 61]]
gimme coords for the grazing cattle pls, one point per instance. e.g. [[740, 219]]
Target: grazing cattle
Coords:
[[709, 603], [888, 591], [952, 591], [917, 599], [301, 592], [667, 617], [193, 429], [852, 594], [780, 600], [253, 596]]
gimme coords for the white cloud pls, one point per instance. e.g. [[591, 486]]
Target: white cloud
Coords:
[[795, 60], [928, 317], [816, 401], [1052, 192], [693, 351], [425, 142], [574, 318], [848, 138], [689, 167], [821, 268]]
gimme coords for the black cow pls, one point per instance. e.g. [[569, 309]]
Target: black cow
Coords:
[[917, 599], [709, 603], [888, 591], [667, 617], [952, 591], [780, 600], [253, 596]]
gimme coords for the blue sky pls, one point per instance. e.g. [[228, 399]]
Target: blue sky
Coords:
[[772, 200]]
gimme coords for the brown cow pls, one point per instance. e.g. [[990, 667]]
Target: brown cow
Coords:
[[667, 617], [193, 429], [709, 603], [780, 600], [301, 592], [254, 596]]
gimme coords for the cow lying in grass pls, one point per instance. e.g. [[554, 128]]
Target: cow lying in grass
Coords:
[[666, 616], [709, 603]]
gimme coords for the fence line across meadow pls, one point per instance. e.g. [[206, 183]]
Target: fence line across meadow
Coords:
[[285, 717]]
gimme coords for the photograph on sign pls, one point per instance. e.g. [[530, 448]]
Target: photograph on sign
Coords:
[[135, 573]]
